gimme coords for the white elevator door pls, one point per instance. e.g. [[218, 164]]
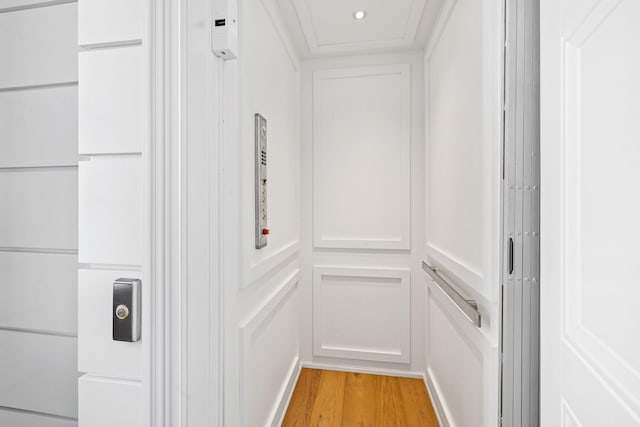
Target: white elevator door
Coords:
[[590, 353]]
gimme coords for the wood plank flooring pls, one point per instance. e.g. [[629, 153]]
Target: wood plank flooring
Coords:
[[332, 398]]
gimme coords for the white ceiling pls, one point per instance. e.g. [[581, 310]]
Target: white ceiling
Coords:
[[327, 27]]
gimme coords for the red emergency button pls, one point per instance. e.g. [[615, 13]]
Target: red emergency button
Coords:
[[265, 231]]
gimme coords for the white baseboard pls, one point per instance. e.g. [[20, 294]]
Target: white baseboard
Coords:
[[278, 417], [361, 370], [435, 401]]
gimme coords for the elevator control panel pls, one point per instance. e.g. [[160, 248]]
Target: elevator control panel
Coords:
[[126, 310], [262, 231]]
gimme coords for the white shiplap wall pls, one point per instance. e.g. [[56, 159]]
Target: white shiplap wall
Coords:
[[111, 109], [38, 213]]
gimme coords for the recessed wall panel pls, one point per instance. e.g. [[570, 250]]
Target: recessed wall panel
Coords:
[[362, 313], [455, 367], [463, 163], [361, 158], [269, 339], [600, 63]]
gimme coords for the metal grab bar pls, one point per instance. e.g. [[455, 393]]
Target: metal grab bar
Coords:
[[468, 307]]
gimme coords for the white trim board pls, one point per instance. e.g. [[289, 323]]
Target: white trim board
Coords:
[[362, 370], [435, 401], [285, 400]]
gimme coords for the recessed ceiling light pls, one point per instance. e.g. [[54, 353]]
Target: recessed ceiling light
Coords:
[[360, 14]]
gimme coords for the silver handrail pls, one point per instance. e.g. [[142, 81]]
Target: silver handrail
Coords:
[[468, 307]]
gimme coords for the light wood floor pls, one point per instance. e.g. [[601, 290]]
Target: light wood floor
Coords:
[[331, 398]]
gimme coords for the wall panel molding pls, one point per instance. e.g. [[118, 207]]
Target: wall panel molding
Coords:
[[278, 102], [445, 365], [362, 157], [471, 279], [379, 330], [463, 205], [588, 198], [276, 260], [569, 418], [250, 332]]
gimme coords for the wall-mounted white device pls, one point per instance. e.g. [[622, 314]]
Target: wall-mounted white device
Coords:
[[224, 33], [261, 181]]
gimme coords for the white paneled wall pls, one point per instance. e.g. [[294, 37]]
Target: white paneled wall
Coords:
[[463, 65], [40, 45], [269, 86], [97, 352], [273, 333], [261, 291], [103, 22], [378, 330], [362, 181], [455, 362], [464, 161], [10, 417], [38, 214], [362, 146], [111, 119], [110, 201], [38, 291], [39, 208], [108, 402], [53, 142], [111, 100], [42, 375]]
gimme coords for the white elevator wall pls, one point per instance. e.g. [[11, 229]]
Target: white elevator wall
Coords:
[[261, 290], [362, 209], [38, 214], [463, 68]]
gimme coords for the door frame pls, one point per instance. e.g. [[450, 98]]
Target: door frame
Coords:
[[182, 253]]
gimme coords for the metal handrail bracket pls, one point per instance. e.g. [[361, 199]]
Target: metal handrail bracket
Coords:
[[468, 307]]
